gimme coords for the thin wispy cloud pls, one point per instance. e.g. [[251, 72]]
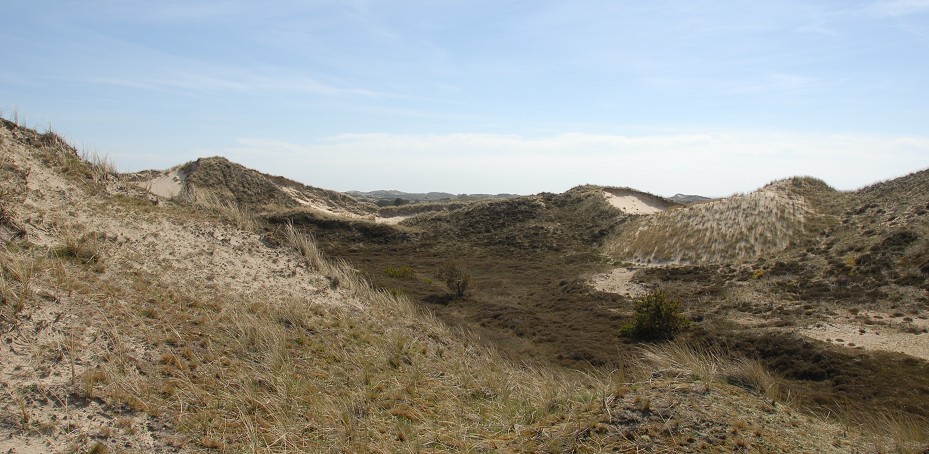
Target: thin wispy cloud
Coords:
[[237, 81], [902, 7], [547, 94], [780, 83]]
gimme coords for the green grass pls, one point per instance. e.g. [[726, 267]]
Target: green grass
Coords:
[[399, 272]]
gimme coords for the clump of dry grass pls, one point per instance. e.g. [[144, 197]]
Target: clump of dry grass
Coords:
[[712, 365], [100, 167], [305, 246], [17, 272], [890, 430], [339, 272], [229, 211], [86, 248], [681, 359], [752, 375]]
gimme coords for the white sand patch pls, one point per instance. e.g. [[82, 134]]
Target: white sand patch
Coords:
[[294, 194], [393, 220], [896, 321], [632, 204], [321, 206], [870, 338], [168, 185], [619, 281]]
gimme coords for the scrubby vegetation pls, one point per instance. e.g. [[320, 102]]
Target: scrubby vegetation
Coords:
[[657, 316], [456, 279], [241, 328]]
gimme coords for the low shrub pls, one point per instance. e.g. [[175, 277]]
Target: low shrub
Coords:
[[455, 278], [657, 316]]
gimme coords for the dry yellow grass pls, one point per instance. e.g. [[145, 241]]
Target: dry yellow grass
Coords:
[[712, 366], [153, 352], [226, 209], [736, 228]]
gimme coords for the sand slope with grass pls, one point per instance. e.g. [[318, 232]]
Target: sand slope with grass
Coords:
[[737, 228], [187, 326]]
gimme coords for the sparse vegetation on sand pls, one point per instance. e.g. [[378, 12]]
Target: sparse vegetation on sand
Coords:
[[741, 227], [135, 326]]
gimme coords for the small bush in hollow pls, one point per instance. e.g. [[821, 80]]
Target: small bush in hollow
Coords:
[[456, 279], [657, 316]]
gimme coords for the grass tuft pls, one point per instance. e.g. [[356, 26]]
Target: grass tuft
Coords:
[[16, 282], [100, 167], [229, 211], [85, 249], [712, 365]]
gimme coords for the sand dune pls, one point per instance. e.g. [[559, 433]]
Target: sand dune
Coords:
[[634, 202]]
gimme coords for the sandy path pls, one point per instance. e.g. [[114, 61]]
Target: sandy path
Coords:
[[393, 220], [619, 281], [870, 337]]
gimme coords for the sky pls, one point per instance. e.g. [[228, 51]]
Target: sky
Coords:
[[483, 96]]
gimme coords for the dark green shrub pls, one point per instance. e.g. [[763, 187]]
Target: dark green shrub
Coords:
[[657, 316]]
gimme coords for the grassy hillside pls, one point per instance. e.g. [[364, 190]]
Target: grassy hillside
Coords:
[[737, 228], [132, 326], [528, 258]]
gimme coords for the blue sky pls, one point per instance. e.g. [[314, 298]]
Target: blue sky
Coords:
[[706, 97]]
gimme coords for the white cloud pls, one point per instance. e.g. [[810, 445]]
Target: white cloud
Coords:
[[204, 79], [708, 164], [902, 7], [778, 83]]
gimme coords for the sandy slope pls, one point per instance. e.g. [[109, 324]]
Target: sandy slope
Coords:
[[70, 329], [43, 358], [737, 228], [168, 184], [631, 202], [863, 331]]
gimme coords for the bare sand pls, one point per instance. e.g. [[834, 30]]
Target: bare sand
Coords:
[[392, 220], [322, 206], [870, 337], [632, 204], [168, 185], [619, 281]]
